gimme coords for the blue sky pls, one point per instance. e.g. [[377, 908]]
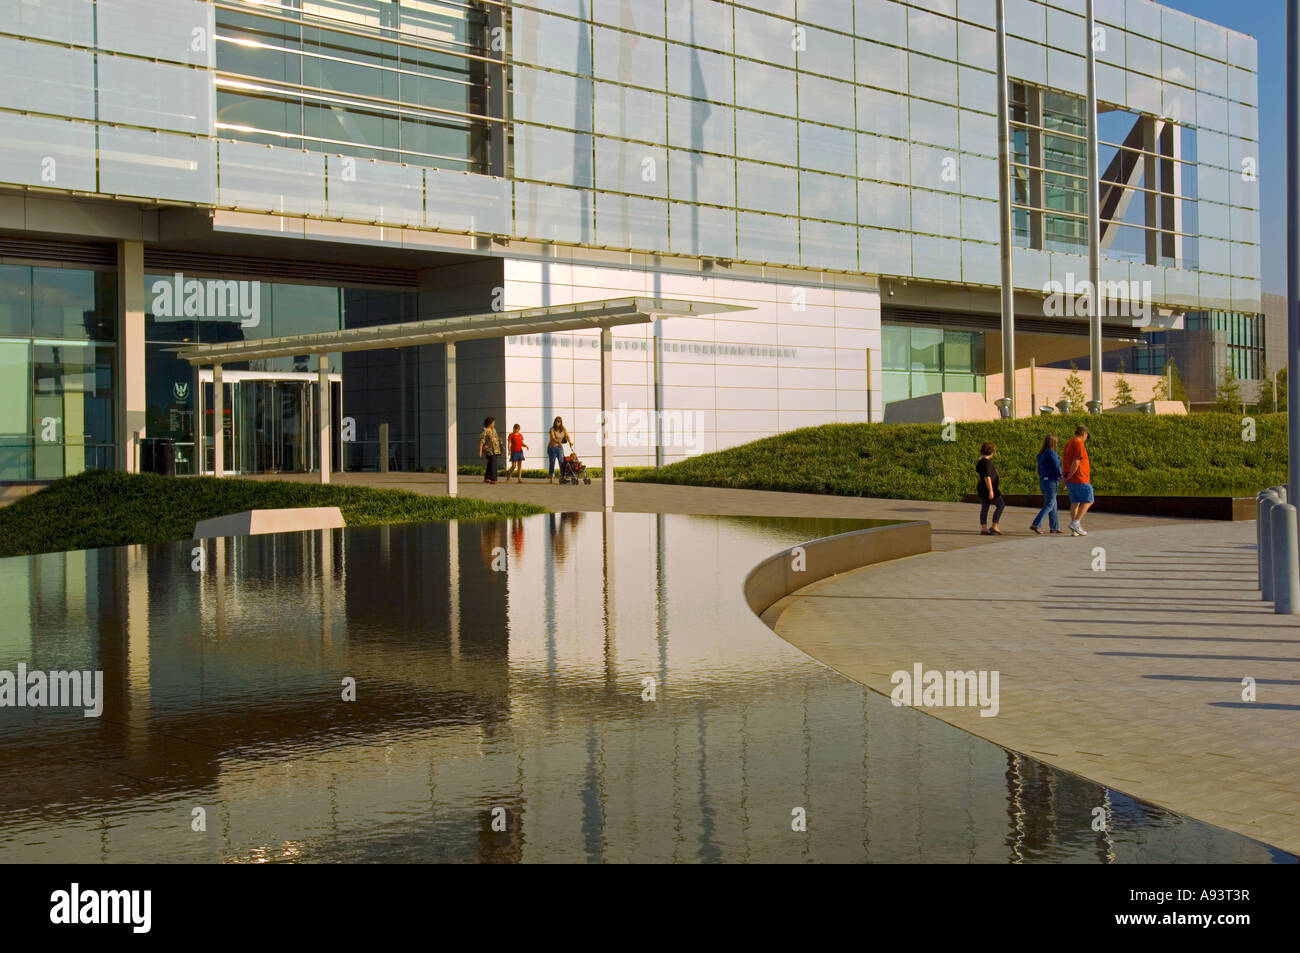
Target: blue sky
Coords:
[[1265, 20]]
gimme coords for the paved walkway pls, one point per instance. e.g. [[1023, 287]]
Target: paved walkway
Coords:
[[1131, 676], [953, 525]]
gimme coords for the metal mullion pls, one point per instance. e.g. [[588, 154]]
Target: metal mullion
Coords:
[[283, 86], [247, 44], [300, 22], [340, 142]]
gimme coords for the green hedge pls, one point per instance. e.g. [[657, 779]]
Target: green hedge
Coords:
[[1131, 454], [102, 508]]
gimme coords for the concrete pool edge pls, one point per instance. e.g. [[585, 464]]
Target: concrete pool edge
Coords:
[[800, 566], [821, 638]]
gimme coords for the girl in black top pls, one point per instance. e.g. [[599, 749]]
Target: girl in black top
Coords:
[[989, 492]]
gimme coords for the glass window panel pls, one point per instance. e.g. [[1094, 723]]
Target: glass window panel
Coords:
[[540, 39], [270, 179], [157, 165], [369, 191], [931, 78], [694, 177], [637, 61], [934, 124], [700, 74], [765, 38], [897, 385], [15, 410], [553, 155], [73, 304], [630, 113], [703, 231], [767, 188], [552, 99], [936, 258], [884, 252], [15, 301], [829, 246], [767, 238], [630, 167], [626, 222], [894, 347], [886, 206], [882, 112], [163, 31], [827, 196], [887, 159], [830, 54], [640, 17], [835, 14], [155, 95], [44, 78], [768, 138], [932, 34], [888, 20], [701, 126], [700, 24], [825, 100], [47, 152], [938, 213], [768, 88], [827, 149], [879, 65], [549, 213]]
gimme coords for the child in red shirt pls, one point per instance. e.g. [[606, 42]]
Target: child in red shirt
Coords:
[[517, 448]]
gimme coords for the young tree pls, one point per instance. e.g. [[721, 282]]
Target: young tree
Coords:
[[1162, 389], [1264, 402], [1123, 389], [1073, 390], [1228, 396]]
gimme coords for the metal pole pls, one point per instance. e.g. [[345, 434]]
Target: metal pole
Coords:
[[323, 402], [218, 421], [1264, 535], [1033, 389], [1286, 568], [1094, 224], [449, 365], [868, 385], [659, 390], [607, 435], [1293, 244], [1004, 217], [383, 447]]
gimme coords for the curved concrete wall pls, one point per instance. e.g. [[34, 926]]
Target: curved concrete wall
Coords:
[[779, 575]]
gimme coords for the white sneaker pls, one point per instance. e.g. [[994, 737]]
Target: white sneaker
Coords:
[[1077, 530]]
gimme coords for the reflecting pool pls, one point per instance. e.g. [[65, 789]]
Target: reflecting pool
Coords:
[[561, 688]]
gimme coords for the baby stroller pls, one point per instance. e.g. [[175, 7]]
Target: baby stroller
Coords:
[[572, 470]]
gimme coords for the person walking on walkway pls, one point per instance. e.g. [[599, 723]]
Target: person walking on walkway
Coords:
[[489, 447], [989, 492], [1049, 481], [517, 448], [1078, 480], [555, 449]]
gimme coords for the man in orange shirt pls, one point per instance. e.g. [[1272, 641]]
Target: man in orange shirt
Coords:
[[1078, 479]]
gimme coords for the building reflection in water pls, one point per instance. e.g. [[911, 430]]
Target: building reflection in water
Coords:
[[501, 712]]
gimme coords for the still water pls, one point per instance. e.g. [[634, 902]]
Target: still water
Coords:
[[560, 688]]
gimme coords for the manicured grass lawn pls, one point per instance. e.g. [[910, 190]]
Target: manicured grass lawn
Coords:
[[101, 508], [1131, 454]]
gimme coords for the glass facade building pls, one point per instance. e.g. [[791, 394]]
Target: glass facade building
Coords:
[[810, 158]]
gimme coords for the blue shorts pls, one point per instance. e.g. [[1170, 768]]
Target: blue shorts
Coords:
[[1079, 492], [516, 456]]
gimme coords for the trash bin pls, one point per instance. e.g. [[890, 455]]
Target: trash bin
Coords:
[[1063, 405], [1004, 406], [158, 455]]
